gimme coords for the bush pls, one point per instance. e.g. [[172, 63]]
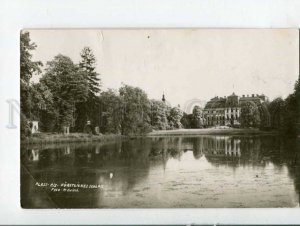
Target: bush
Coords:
[[25, 128]]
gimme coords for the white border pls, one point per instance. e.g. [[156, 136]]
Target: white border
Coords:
[[15, 15]]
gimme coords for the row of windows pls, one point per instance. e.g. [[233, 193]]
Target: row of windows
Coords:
[[216, 111], [232, 110], [223, 117], [222, 111], [216, 118]]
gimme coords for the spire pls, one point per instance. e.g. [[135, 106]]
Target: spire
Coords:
[[163, 98]]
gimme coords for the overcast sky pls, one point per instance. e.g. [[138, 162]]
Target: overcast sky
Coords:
[[186, 63]]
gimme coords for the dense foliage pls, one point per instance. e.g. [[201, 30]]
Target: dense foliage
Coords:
[[198, 120], [110, 112], [159, 113], [174, 117], [135, 110], [250, 115], [285, 113], [27, 69], [68, 85], [265, 117]]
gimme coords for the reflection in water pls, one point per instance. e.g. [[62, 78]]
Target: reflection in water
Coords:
[[202, 171]]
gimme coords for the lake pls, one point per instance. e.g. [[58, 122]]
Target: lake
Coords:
[[163, 172]]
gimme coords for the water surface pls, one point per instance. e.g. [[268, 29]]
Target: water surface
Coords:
[[164, 172]]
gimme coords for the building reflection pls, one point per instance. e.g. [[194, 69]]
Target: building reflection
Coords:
[[141, 152], [222, 146], [120, 166]]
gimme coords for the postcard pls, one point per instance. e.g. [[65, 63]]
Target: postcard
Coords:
[[159, 118]]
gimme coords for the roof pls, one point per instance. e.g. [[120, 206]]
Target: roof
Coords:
[[232, 101], [216, 102]]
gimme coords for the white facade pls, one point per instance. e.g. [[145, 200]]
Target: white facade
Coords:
[[34, 127], [232, 116]]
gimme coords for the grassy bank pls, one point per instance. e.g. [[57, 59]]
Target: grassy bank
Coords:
[[48, 138], [210, 131], [53, 138]]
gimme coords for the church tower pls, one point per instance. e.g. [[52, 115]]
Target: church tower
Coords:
[[163, 98]]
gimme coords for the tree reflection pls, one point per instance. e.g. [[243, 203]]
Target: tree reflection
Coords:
[[121, 166]]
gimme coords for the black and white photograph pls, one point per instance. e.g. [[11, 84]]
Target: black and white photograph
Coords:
[[159, 118]]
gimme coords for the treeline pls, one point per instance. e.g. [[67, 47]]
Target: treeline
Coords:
[[285, 115], [69, 95], [280, 114]]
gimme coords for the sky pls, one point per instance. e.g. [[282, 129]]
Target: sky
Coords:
[[184, 64]]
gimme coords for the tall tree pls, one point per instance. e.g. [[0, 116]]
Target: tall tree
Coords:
[[88, 110], [88, 65], [68, 85], [297, 96], [27, 69]]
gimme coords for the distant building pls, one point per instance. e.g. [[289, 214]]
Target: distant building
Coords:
[[221, 111], [34, 126], [163, 98]]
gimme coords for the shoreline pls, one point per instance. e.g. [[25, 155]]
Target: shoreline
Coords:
[[211, 131], [54, 138]]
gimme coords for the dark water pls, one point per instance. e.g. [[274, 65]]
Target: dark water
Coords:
[[201, 171]]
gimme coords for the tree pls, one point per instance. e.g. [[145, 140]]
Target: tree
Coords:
[[285, 114], [174, 118], [187, 120], [136, 110], [27, 66], [250, 116], [43, 106], [111, 112], [264, 114], [297, 96], [158, 115], [276, 109], [88, 110], [88, 65], [27, 69], [290, 115], [68, 86], [198, 120]]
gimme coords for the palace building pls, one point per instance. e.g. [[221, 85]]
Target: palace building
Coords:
[[221, 111]]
